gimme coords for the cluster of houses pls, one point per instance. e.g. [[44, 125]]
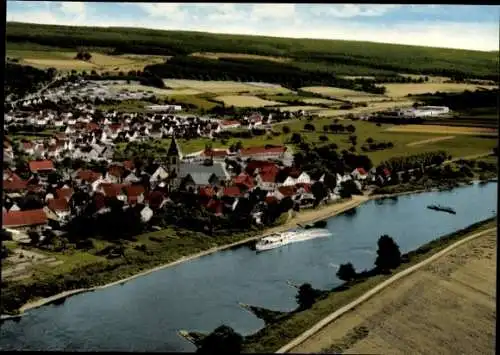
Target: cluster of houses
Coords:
[[219, 184], [219, 176]]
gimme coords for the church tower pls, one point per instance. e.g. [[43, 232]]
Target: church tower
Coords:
[[174, 157]]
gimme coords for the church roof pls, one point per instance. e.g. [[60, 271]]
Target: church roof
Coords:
[[174, 149]]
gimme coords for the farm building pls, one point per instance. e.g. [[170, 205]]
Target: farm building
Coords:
[[422, 111], [160, 108]]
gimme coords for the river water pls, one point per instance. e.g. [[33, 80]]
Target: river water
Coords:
[[146, 313]]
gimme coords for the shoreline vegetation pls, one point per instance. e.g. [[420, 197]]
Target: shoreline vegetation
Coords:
[[112, 278]]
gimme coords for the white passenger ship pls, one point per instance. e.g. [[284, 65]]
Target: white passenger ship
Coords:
[[277, 240]]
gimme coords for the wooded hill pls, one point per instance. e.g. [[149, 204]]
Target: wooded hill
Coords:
[[333, 56]]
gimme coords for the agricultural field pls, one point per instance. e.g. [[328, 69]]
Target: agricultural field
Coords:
[[401, 90], [320, 101], [339, 93], [217, 87], [437, 129], [298, 108], [64, 60], [447, 307], [245, 101], [211, 55]]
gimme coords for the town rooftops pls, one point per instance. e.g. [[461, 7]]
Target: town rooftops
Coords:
[[41, 165], [24, 218]]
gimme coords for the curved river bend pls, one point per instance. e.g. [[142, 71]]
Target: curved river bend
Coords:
[[146, 313]]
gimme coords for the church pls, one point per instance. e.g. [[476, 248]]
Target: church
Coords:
[[198, 174]]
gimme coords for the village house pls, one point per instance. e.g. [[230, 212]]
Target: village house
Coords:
[[41, 167], [24, 219]]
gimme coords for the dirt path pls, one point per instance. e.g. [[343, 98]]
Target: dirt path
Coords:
[[427, 141], [446, 307]]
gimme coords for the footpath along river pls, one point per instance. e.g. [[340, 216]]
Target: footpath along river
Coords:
[[145, 314]]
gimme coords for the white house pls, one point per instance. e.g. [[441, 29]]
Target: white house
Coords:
[[146, 214], [159, 174]]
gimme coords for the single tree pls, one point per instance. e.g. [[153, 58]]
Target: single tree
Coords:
[[346, 272], [306, 296], [388, 254], [286, 129], [309, 127], [319, 192]]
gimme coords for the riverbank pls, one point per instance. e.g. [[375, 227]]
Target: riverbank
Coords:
[[116, 272], [418, 304], [307, 216], [276, 335]]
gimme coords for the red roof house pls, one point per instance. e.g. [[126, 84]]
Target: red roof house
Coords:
[[41, 166], [287, 191], [24, 218], [270, 151], [65, 193], [134, 193], [88, 175], [15, 185], [245, 180], [58, 205], [231, 191], [207, 191]]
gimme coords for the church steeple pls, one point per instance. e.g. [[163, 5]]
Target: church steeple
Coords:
[[174, 149], [174, 157]]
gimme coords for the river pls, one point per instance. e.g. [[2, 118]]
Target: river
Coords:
[[146, 313]]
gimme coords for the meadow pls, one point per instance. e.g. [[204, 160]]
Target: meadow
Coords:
[[401, 90], [245, 101], [64, 60]]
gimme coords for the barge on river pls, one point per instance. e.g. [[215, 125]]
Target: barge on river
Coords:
[[442, 209]]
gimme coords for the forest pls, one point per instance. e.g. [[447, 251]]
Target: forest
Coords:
[[339, 57], [21, 79]]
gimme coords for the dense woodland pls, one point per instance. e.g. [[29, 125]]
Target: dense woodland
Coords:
[[22, 79], [339, 57]]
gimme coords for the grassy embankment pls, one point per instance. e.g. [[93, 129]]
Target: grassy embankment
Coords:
[[275, 335]]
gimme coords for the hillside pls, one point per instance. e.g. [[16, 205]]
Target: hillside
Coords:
[[334, 57]]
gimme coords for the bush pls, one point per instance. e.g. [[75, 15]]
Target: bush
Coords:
[[346, 272], [388, 254]]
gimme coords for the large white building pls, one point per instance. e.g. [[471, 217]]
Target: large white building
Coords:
[[164, 108]]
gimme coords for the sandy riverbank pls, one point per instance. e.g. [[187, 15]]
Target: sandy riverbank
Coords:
[[308, 216], [461, 282]]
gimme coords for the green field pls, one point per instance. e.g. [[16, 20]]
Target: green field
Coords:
[[340, 57]]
